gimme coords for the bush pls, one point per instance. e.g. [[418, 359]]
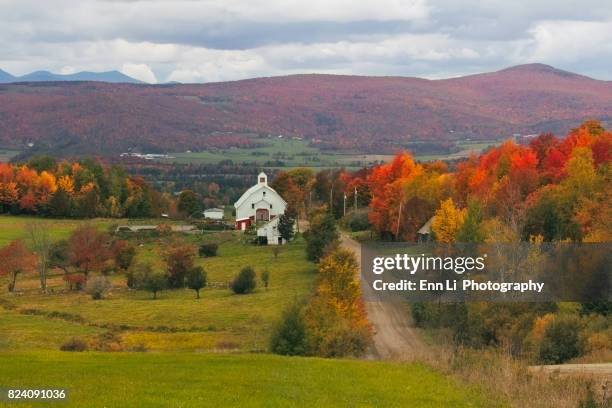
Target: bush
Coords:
[[98, 286], [208, 250], [265, 278], [244, 282], [74, 344], [561, 341], [358, 221], [289, 336]]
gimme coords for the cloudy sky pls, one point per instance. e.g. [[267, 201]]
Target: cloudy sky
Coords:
[[218, 40]]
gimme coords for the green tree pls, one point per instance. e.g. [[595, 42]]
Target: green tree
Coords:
[[285, 227], [561, 341], [60, 204], [188, 202], [471, 229], [196, 280], [322, 233], [289, 336]]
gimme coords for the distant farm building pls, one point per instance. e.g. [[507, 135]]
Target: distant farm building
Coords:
[[145, 228], [424, 233], [261, 206], [213, 214]]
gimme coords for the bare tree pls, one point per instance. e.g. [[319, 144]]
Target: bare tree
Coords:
[[38, 235]]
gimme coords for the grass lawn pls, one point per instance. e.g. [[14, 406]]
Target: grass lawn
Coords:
[[176, 321], [198, 380]]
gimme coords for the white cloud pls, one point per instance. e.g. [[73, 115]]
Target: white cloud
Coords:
[[563, 41], [142, 72], [215, 40]]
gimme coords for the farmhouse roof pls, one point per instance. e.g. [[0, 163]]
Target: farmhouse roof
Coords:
[[426, 228], [255, 189]]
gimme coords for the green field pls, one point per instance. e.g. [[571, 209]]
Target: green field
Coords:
[[176, 320], [7, 154], [298, 153], [206, 352], [203, 380]]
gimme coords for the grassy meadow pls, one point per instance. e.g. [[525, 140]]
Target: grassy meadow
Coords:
[[176, 320], [206, 352], [197, 380]]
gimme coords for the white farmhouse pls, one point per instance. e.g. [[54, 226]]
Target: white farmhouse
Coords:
[[213, 214], [260, 205]]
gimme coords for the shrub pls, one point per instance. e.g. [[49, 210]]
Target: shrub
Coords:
[[75, 281], [265, 278], [196, 279], [98, 286], [208, 250], [561, 341], [358, 221], [289, 336], [244, 282], [74, 344]]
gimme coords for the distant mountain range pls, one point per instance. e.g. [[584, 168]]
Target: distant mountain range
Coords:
[[46, 76], [367, 114]]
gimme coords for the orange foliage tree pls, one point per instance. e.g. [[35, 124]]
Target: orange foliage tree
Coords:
[[16, 258]]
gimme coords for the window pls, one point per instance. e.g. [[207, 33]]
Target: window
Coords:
[[252, 205], [262, 179], [264, 193], [270, 206]]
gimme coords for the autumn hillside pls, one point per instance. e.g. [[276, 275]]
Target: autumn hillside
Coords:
[[368, 113]]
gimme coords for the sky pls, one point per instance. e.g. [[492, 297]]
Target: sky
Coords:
[[159, 41]]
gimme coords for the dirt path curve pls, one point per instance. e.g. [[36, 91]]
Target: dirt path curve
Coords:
[[395, 337], [601, 369]]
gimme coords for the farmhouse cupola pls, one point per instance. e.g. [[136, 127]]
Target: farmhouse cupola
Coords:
[[262, 179]]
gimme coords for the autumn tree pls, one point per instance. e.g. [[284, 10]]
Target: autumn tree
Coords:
[[40, 241], [179, 260], [123, 253], [447, 222], [335, 319], [16, 259], [89, 249]]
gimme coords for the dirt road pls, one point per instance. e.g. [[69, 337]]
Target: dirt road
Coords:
[[603, 369], [395, 337]]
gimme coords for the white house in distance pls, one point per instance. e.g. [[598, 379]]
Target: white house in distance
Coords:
[[213, 214], [262, 205]]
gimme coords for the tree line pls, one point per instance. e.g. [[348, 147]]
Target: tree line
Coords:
[[80, 189]]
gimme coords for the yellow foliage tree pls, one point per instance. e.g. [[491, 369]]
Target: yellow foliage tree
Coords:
[[447, 221], [66, 184]]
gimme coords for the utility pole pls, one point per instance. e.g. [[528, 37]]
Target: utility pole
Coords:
[[355, 198], [399, 214], [331, 199], [344, 206]]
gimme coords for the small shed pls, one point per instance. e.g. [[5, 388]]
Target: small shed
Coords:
[[213, 214]]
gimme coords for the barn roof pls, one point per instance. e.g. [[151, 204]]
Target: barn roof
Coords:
[[426, 228]]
